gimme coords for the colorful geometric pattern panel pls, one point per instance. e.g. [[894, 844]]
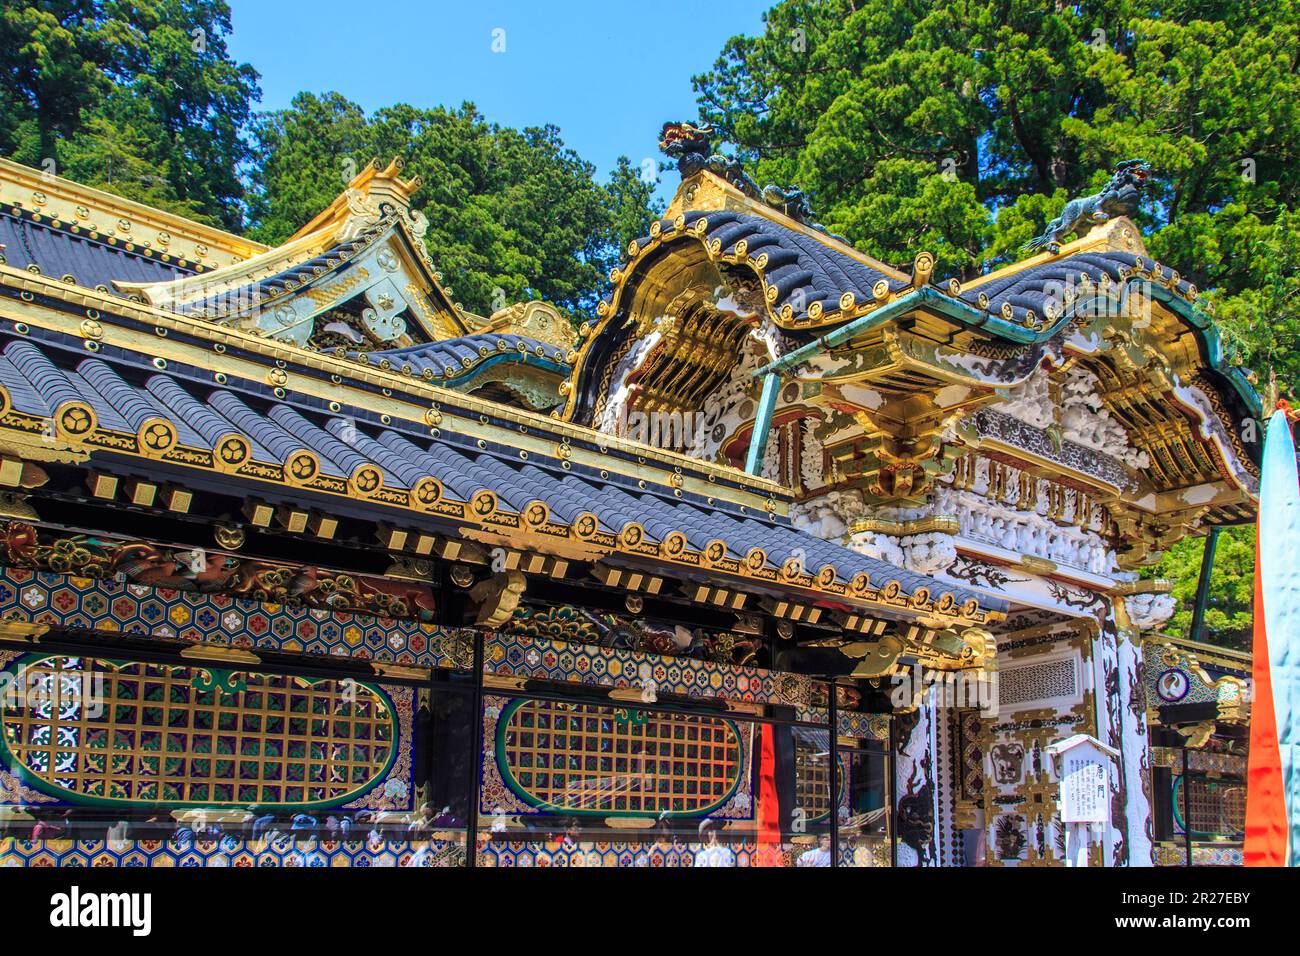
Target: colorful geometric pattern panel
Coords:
[[127, 733], [520, 655], [230, 852], [139, 562], [863, 726], [1203, 854], [110, 606], [598, 760], [627, 853]]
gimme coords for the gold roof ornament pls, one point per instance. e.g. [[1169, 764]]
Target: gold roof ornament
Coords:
[[537, 320], [368, 242], [365, 195]]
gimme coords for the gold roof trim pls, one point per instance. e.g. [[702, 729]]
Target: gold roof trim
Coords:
[[374, 208], [350, 371], [706, 190], [484, 514], [377, 184], [535, 319], [1201, 653], [93, 210], [1118, 235], [228, 278]]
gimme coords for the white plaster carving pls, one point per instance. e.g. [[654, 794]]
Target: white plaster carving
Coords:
[[773, 341], [929, 553], [1082, 416], [1026, 532], [1086, 420], [1150, 612], [830, 515], [926, 554], [882, 547], [811, 473], [719, 416], [620, 392], [1031, 401]]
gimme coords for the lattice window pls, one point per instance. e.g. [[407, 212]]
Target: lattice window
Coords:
[[812, 768], [1047, 680], [970, 762], [1216, 807], [186, 735], [582, 758]]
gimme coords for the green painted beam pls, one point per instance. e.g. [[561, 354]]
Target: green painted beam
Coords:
[[762, 424], [1203, 584]]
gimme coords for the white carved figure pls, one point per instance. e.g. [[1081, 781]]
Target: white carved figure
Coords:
[[1086, 420], [882, 547], [1082, 416], [929, 553], [811, 473], [620, 392], [1026, 532], [830, 515], [771, 339], [1031, 401], [1150, 612], [363, 212]]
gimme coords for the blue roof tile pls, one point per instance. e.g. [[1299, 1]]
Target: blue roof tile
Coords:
[[465, 355], [803, 268], [124, 396], [90, 262], [1037, 286]]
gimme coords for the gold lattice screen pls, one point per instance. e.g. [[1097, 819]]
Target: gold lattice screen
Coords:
[[156, 734], [583, 758]]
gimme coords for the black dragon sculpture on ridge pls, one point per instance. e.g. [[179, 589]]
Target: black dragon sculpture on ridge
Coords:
[[1119, 197], [690, 145]]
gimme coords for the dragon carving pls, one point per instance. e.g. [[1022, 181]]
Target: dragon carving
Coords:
[[691, 146], [793, 202], [1119, 197], [213, 573]]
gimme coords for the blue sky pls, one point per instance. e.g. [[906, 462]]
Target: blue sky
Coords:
[[607, 74]]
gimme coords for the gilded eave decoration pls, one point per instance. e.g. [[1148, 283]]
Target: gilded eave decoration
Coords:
[[212, 572], [137, 228], [222, 355], [298, 293]]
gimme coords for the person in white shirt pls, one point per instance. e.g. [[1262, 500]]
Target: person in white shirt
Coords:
[[713, 853], [820, 855]]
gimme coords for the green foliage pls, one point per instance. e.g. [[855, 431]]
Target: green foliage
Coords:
[[140, 98], [1232, 587], [632, 203], [962, 126], [513, 214]]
